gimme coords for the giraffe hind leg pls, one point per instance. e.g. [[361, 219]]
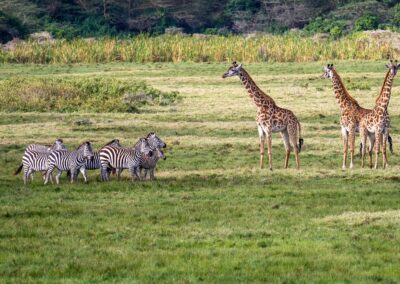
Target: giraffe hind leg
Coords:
[[292, 131], [261, 134], [286, 143]]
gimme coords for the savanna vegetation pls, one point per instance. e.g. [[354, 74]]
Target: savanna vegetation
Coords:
[[212, 215]]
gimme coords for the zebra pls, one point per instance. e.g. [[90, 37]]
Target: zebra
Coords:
[[149, 163], [124, 158], [94, 163], [35, 158], [72, 161]]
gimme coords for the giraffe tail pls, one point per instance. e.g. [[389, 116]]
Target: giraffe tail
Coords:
[[390, 141], [301, 140], [18, 170]]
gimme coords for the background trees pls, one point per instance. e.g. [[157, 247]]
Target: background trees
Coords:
[[72, 18]]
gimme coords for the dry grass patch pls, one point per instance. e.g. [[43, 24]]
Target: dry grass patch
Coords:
[[365, 218]]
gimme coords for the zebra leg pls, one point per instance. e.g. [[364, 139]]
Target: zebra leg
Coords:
[[31, 174], [28, 175], [83, 171], [48, 174], [145, 174], [139, 173], [152, 173], [132, 171], [73, 174], [59, 172]]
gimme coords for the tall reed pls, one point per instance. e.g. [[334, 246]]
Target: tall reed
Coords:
[[143, 48]]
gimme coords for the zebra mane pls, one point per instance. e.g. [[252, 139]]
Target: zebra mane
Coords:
[[150, 134], [111, 142], [82, 144]]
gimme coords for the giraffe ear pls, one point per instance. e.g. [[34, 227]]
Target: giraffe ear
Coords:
[[387, 65], [398, 65], [239, 67]]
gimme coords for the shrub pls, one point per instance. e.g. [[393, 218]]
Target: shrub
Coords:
[[91, 95], [366, 22]]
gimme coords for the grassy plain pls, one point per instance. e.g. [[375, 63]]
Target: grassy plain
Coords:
[[212, 215]]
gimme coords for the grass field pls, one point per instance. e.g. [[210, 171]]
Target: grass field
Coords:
[[211, 215]]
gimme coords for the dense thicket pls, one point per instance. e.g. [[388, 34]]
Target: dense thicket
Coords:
[[71, 18]]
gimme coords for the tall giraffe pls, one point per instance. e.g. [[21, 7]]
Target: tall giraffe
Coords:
[[270, 118], [377, 121], [351, 115]]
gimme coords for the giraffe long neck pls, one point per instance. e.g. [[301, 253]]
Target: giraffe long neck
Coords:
[[342, 96], [382, 102], [258, 96]]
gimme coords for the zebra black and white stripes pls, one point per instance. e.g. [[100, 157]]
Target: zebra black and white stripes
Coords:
[[35, 158], [72, 161], [124, 158]]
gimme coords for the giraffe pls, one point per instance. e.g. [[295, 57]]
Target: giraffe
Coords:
[[351, 114], [270, 118], [376, 123]]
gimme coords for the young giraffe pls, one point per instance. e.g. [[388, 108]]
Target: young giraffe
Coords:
[[351, 115], [376, 122], [270, 118]]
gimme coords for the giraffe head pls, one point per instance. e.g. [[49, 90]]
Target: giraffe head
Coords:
[[234, 70], [393, 67], [328, 71]]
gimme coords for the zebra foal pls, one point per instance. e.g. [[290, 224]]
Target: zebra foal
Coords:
[[149, 163], [72, 161]]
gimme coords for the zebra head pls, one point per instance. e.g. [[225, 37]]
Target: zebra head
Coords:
[[234, 70], [87, 151], [154, 141], [328, 71], [144, 147], [58, 145], [160, 154], [113, 143]]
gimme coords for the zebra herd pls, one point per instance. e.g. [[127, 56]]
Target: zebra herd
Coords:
[[112, 157]]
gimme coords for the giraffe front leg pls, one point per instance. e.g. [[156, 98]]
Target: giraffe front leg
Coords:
[[363, 136], [384, 141], [261, 134], [377, 147], [345, 136], [371, 138], [352, 138]]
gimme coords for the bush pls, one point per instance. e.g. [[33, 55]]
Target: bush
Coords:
[[320, 25], [366, 22], [90, 95]]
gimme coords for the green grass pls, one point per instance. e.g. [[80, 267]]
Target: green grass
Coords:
[[212, 215]]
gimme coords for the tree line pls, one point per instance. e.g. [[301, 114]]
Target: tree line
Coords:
[[87, 18]]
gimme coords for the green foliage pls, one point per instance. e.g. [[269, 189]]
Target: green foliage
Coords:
[[11, 27], [326, 25], [395, 21], [366, 22], [96, 95]]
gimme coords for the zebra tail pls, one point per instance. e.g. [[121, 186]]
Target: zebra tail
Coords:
[[18, 170], [390, 144], [301, 140]]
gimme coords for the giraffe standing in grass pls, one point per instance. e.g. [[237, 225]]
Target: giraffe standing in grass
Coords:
[[351, 115], [270, 118], [376, 123]]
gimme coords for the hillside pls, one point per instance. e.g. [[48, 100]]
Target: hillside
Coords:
[[88, 18]]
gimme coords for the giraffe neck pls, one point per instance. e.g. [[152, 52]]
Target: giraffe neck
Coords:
[[342, 96], [382, 102], [258, 96]]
